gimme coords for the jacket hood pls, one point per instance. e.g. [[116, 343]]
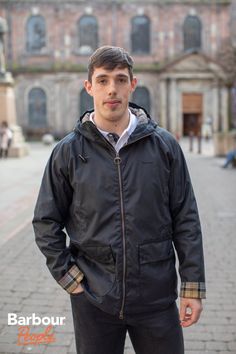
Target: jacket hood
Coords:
[[145, 124]]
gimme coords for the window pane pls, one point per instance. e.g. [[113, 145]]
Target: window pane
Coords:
[[141, 97], [140, 35], [36, 34], [85, 102], [88, 34], [37, 108], [192, 33]]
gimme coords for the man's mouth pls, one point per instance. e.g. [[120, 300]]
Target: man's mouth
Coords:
[[112, 103]]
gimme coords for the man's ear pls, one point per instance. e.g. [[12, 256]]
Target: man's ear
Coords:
[[88, 87], [133, 84]]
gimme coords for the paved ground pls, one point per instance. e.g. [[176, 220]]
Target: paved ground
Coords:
[[27, 287]]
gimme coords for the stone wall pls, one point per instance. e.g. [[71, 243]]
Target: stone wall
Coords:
[[60, 70]]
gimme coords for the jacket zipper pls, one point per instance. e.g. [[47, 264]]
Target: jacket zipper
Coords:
[[117, 161]]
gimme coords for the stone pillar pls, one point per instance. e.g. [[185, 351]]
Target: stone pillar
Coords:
[[8, 113], [225, 109], [7, 102], [168, 103], [215, 111], [163, 110], [173, 106]]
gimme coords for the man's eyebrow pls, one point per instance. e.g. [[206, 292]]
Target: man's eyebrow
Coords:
[[105, 76], [122, 75], [100, 76]]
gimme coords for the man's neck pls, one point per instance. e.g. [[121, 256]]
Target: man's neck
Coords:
[[112, 126]]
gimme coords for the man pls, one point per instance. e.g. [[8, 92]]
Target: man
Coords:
[[120, 186]]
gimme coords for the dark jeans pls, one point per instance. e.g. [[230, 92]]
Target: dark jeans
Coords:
[[97, 332]]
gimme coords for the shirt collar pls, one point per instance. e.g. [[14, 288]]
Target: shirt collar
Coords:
[[128, 131]]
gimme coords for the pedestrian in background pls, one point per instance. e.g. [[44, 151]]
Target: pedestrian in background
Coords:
[[230, 159], [120, 187], [5, 139]]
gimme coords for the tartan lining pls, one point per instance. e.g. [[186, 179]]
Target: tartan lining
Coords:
[[193, 290], [71, 279]]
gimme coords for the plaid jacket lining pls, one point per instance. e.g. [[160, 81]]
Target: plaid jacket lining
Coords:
[[193, 290], [71, 279], [74, 276]]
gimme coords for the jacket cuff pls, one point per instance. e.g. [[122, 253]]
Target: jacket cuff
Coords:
[[71, 279], [193, 290]]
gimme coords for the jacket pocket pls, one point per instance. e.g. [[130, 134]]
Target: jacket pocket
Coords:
[[98, 265], [157, 274]]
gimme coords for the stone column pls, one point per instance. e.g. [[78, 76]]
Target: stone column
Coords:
[[163, 110], [224, 109], [215, 111], [173, 106], [222, 138], [7, 102]]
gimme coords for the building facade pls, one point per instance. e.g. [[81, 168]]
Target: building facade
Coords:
[[175, 46]]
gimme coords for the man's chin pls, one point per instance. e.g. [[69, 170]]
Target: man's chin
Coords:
[[114, 115]]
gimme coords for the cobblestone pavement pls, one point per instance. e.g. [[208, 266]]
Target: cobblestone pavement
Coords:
[[27, 287]]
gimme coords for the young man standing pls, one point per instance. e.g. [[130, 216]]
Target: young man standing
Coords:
[[120, 186]]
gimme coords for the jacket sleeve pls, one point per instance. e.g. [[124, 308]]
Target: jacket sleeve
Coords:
[[187, 236], [50, 215]]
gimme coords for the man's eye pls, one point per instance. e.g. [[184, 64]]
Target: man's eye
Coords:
[[102, 82], [122, 81]]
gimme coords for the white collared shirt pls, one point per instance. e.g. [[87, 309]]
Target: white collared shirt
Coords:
[[133, 121]]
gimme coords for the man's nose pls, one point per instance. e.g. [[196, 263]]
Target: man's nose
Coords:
[[112, 88]]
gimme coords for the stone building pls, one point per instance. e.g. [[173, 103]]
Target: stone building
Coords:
[[175, 45]]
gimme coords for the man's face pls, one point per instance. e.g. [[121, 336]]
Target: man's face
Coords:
[[111, 90]]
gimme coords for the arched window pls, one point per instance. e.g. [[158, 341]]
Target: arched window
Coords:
[[35, 34], [87, 34], [37, 101], [85, 102], [192, 30], [140, 35], [141, 97]]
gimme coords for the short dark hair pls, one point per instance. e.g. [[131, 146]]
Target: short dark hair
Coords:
[[109, 58]]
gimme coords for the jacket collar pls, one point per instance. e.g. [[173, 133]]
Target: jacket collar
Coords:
[[145, 125]]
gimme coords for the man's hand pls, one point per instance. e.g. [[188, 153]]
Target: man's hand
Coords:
[[78, 290], [190, 311]]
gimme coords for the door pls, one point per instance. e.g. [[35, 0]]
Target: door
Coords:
[[191, 124], [192, 113]]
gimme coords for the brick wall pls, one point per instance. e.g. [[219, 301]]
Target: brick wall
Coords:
[[61, 23]]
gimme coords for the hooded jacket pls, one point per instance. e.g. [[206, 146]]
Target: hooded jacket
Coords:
[[125, 214]]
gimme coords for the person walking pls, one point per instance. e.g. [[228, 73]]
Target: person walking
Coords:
[[5, 139], [120, 187]]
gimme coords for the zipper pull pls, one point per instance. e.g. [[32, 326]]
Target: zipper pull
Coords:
[[117, 160], [121, 315]]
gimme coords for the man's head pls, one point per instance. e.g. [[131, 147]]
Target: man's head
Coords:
[[110, 58], [110, 83]]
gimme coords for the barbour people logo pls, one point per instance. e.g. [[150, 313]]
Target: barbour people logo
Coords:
[[28, 337], [25, 337]]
